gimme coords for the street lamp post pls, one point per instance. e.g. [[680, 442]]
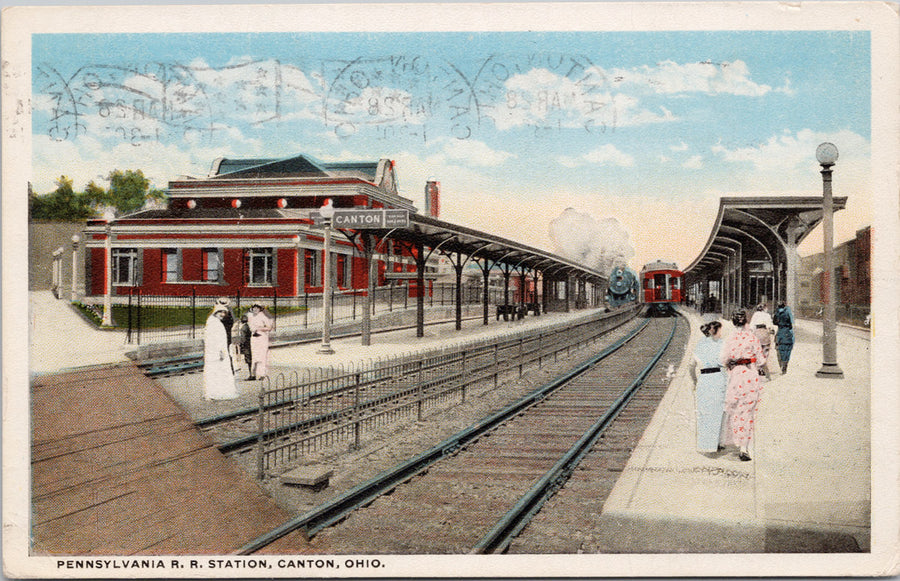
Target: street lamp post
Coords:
[[827, 155], [327, 213], [75, 240]]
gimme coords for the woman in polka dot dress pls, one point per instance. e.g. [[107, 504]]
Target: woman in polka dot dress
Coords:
[[742, 355]]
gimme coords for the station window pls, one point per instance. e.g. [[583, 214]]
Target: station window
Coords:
[[124, 266], [170, 268], [211, 264], [259, 266], [339, 270], [311, 267]]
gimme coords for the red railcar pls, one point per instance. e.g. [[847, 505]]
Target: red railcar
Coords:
[[661, 286]]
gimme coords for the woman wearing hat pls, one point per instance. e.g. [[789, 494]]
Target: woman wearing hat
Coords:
[[218, 378], [742, 355], [260, 324], [228, 322]]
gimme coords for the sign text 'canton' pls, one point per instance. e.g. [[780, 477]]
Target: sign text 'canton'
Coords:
[[362, 219]]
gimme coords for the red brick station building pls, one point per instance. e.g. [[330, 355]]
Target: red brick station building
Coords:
[[246, 230]]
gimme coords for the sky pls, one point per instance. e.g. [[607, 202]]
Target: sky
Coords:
[[640, 132]]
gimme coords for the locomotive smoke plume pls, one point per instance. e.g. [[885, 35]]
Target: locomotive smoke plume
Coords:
[[599, 245]]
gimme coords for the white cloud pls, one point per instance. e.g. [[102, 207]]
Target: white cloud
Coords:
[[475, 153], [695, 162], [542, 98], [86, 158], [790, 151], [605, 155], [669, 77], [680, 147]]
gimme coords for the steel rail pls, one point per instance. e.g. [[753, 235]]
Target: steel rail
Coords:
[[190, 363], [475, 373], [331, 512], [511, 524]]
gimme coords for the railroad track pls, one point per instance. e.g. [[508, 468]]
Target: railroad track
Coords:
[[477, 490], [323, 403], [193, 362]]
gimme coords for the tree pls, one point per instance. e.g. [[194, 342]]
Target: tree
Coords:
[[63, 204], [130, 190]]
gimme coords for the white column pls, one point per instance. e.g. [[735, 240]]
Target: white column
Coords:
[[107, 290]]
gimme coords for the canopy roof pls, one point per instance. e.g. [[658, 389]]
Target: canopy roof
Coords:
[[759, 226]]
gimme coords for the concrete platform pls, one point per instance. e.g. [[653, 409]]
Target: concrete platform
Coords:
[[807, 489]]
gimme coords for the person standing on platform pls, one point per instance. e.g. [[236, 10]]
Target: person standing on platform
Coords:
[[762, 326], [244, 335], [228, 321], [260, 323], [742, 355], [710, 388], [218, 378], [784, 338]]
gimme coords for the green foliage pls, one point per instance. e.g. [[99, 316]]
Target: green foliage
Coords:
[[92, 312], [128, 191], [62, 204]]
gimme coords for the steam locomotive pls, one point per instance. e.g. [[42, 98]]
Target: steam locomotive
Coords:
[[661, 287], [622, 288]]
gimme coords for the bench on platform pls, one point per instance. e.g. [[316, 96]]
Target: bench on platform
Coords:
[[507, 311]]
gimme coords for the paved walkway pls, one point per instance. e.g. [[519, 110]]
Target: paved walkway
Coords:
[[806, 489], [62, 340]]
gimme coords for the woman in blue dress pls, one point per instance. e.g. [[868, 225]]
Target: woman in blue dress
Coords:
[[710, 389], [784, 338]]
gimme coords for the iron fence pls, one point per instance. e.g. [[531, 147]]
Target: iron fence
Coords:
[[324, 407], [155, 318]]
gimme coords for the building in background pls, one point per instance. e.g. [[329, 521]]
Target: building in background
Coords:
[[852, 277]]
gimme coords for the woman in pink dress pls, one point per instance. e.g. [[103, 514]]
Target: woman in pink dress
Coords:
[[260, 323], [742, 355]]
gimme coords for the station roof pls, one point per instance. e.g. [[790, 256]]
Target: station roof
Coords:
[[297, 165], [447, 237], [760, 226]]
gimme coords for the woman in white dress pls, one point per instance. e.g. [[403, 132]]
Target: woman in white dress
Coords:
[[218, 378], [710, 388]]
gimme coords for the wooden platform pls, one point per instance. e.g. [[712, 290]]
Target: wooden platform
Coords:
[[119, 469]]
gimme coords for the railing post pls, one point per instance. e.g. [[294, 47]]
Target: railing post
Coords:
[[193, 311], [128, 333], [139, 312], [541, 350], [305, 309], [464, 379], [420, 390], [521, 352], [260, 429], [496, 364], [357, 414]]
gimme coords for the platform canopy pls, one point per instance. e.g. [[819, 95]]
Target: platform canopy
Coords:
[[751, 255]]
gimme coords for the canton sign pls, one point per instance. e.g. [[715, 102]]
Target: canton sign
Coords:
[[365, 219]]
